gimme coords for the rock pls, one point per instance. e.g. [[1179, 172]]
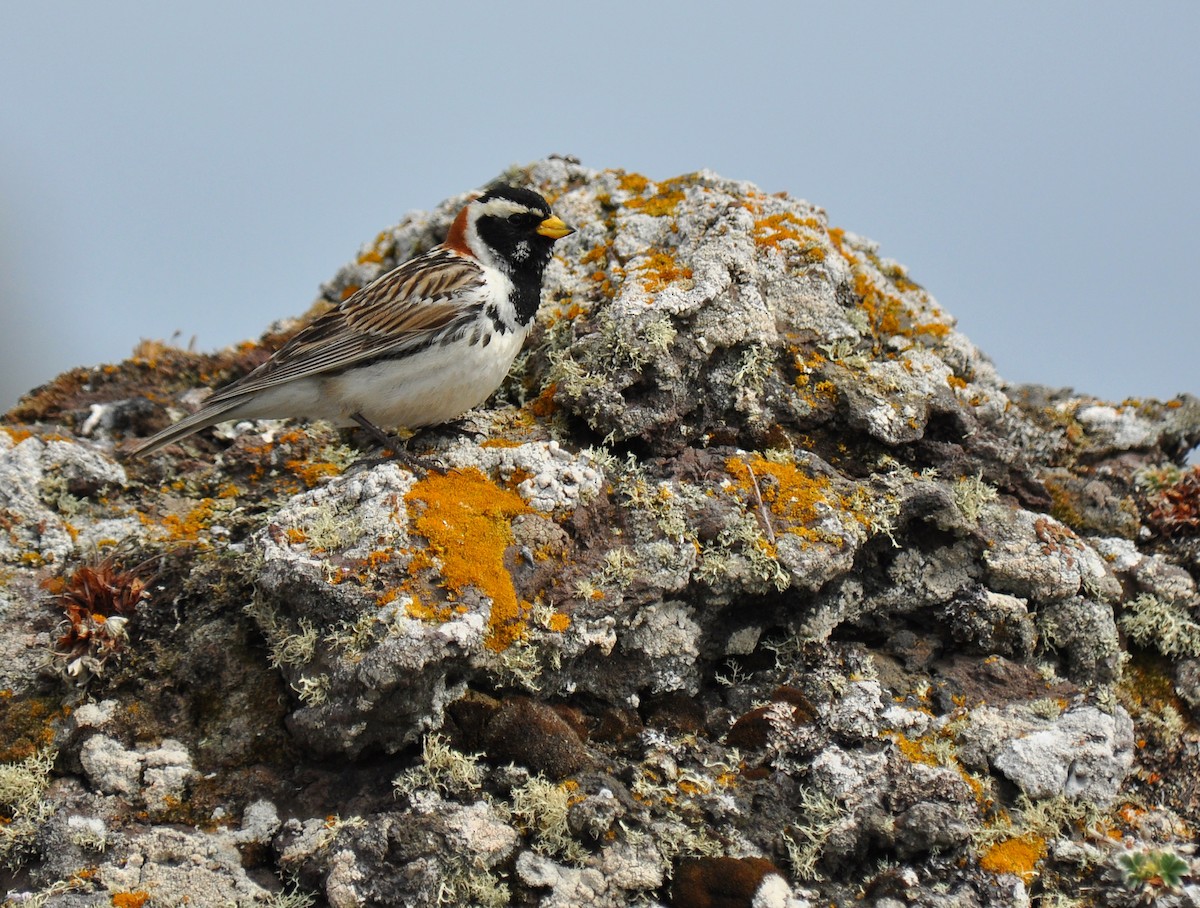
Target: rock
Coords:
[[754, 584], [156, 777], [1083, 753]]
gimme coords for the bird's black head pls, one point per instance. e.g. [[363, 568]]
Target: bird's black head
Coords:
[[518, 229], [511, 229]]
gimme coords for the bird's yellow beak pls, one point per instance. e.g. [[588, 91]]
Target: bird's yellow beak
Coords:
[[554, 228]]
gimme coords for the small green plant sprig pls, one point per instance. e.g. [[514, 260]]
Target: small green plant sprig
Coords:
[[1153, 869]]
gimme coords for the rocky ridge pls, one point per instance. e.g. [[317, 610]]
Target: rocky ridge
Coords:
[[754, 585]]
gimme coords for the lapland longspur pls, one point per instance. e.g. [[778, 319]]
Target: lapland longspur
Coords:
[[416, 347]]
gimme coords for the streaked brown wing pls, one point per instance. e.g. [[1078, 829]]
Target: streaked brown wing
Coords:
[[400, 310]]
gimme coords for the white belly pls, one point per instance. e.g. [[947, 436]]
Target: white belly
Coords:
[[427, 388]]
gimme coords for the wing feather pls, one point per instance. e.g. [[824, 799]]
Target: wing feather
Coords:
[[404, 309]]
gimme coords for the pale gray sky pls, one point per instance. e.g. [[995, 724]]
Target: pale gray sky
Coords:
[[201, 168]]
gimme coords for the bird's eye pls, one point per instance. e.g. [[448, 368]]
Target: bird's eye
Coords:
[[518, 219]]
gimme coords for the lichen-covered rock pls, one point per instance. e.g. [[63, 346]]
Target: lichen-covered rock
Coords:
[[1084, 753], [753, 585]]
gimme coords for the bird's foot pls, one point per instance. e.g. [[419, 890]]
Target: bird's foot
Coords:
[[396, 446]]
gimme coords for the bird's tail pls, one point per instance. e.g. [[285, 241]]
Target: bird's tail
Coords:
[[201, 419]]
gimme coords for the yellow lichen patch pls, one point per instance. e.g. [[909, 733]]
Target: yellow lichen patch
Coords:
[[558, 622], [786, 491], [348, 291], [383, 244], [885, 311], [663, 202], [190, 526], [634, 182], [659, 269], [375, 559], [135, 899], [658, 205], [933, 329], [1018, 856], [567, 309], [312, 472], [915, 750], [607, 281], [597, 254], [425, 611], [774, 229], [28, 725], [467, 520], [837, 236], [544, 405]]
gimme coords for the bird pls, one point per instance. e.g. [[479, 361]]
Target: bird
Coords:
[[418, 346]]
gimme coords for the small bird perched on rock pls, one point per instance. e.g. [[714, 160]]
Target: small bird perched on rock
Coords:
[[417, 346]]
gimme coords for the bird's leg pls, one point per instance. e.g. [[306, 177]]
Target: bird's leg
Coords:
[[394, 444]]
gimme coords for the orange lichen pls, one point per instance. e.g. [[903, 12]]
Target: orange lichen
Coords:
[[348, 291], [774, 229], [933, 329], [29, 725], [134, 899], [559, 622], [189, 527], [425, 611], [885, 310], [633, 182], [312, 472], [659, 269], [377, 558], [787, 492], [837, 236], [467, 520], [658, 205], [596, 254], [664, 201], [572, 311], [518, 476], [916, 750], [1018, 856], [544, 405], [383, 245]]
